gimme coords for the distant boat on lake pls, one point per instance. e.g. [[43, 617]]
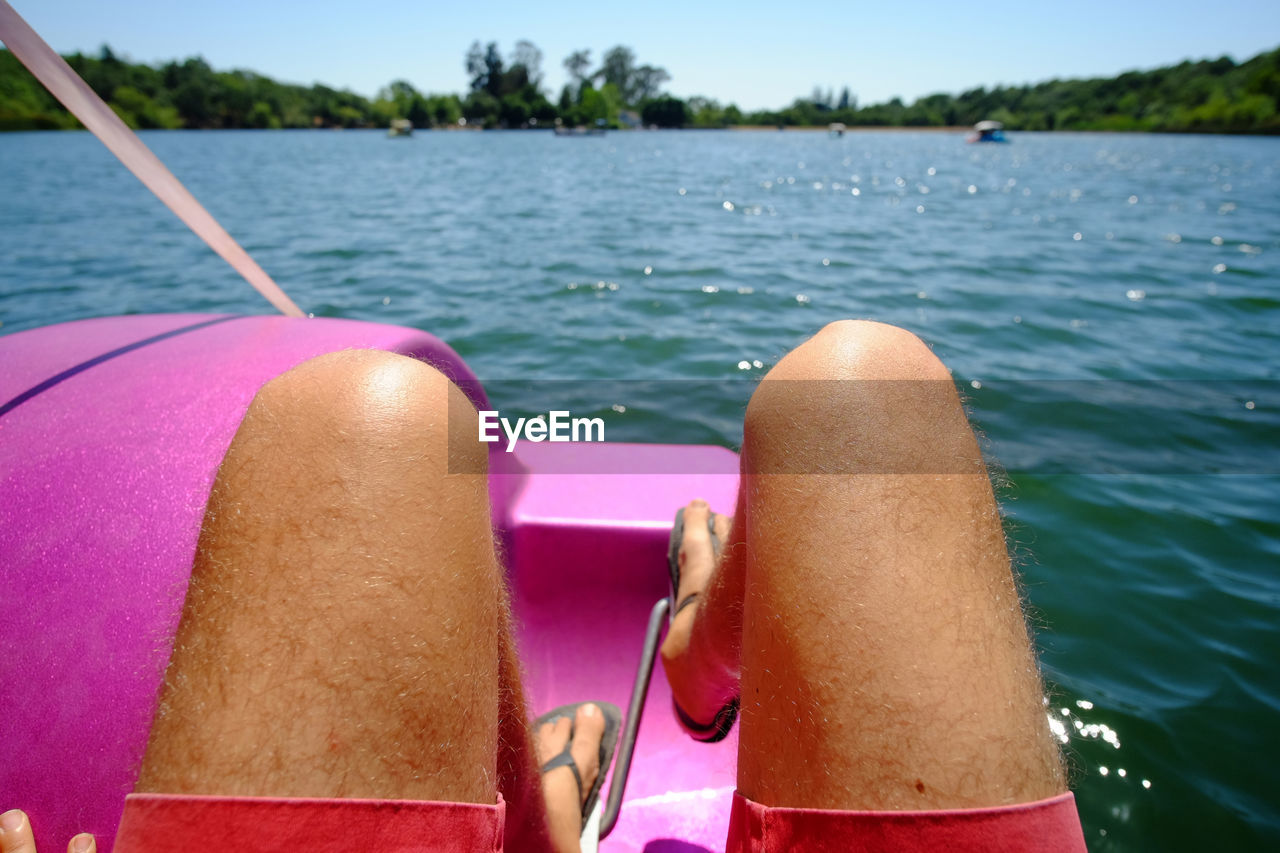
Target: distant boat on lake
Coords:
[[598, 130], [836, 128], [400, 127], [987, 131]]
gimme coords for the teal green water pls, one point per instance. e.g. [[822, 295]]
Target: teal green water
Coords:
[[1115, 298]]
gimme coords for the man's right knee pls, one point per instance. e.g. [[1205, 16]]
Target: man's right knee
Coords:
[[861, 350], [859, 397]]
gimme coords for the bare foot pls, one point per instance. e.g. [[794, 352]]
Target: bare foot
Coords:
[[699, 681], [698, 558], [16, 836], [559, 787]]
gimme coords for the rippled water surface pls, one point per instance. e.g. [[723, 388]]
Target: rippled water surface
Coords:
[[1143, 494]]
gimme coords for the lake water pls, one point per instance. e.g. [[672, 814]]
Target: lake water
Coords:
[[1111, 304]]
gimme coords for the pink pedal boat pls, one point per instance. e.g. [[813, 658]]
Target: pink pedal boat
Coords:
[[111, 432]]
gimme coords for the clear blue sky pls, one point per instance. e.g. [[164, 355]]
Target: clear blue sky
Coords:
[[755, 54]]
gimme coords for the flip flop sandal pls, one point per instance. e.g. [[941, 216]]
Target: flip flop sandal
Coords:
[[718, 729], [612, 725]]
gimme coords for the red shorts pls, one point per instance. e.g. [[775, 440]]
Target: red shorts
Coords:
[[171, 822], [1046, 826], [155, 822]]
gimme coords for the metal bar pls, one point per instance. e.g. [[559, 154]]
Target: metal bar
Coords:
[[657, 617]]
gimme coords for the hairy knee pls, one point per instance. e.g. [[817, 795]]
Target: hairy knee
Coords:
[[865, 349], [356, 401], [366, 380], [858, 396]]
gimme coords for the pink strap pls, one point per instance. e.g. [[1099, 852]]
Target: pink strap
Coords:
[[65, 85]]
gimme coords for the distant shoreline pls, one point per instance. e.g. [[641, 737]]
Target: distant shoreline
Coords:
[[735, 128], [1206, 96], [860, 128]]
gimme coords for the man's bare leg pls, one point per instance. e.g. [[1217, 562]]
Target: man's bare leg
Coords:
[[346, 630], [865, 596]]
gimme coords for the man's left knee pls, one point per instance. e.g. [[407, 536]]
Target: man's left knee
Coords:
[[371, 401]]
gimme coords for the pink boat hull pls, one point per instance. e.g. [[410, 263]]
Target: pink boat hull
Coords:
[[111, 432]]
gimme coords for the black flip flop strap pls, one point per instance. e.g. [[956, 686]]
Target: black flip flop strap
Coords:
[[565, 759], [688, 599], [715, 731]]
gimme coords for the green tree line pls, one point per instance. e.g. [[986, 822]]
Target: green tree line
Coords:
[[507, 91], [187, 94], [1209, 96]]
